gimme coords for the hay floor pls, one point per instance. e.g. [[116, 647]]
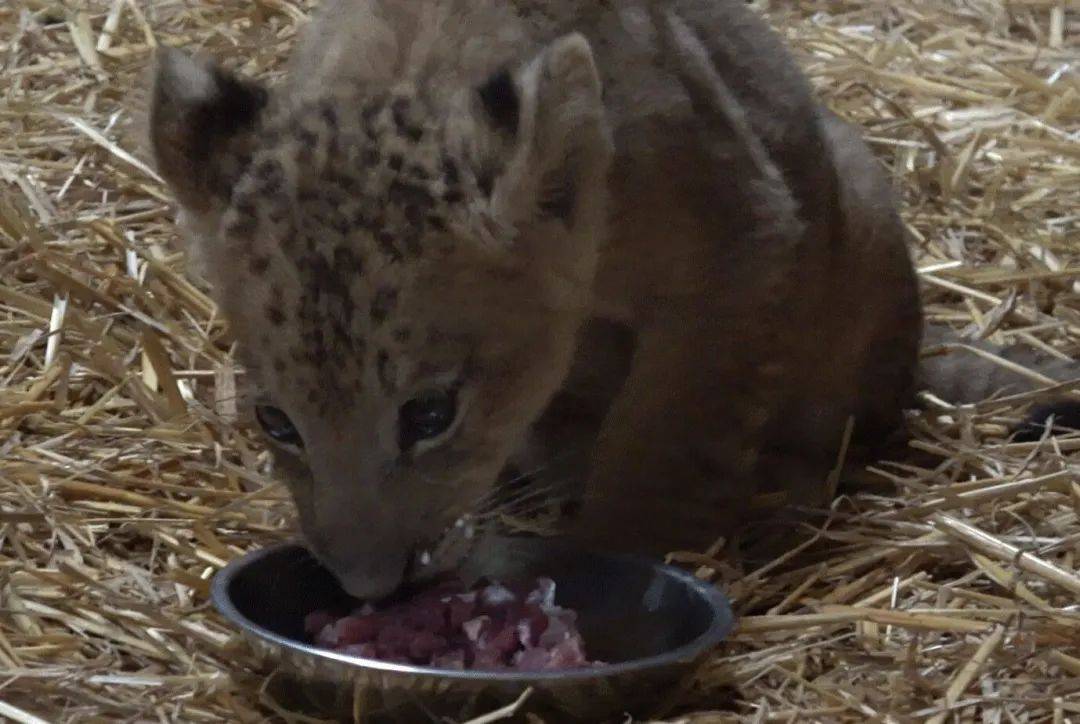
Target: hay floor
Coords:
[[948, 592]]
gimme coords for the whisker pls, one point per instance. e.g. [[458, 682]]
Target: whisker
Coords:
[[435, 481], [512, 498]]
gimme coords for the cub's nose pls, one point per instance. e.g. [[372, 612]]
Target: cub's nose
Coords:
[[371, 584], [367, 577]]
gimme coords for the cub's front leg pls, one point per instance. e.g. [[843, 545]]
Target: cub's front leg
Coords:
[[705, 235], [672, 466]]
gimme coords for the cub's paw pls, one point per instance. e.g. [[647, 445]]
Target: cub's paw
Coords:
[[1062, 416]]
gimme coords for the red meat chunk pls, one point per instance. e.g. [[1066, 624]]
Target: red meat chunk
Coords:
[[459, 609], [356, 629], [316, 621], [425, 645], [532, 659], [453, 659], [494, 627], [394, 638]]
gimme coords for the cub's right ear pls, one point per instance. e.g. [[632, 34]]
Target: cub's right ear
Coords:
[[202, 122]]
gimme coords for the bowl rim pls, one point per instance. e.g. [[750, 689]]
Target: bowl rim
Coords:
[[722, 624]]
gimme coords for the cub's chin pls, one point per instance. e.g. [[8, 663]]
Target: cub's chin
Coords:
[[372, 582], [513, 557]]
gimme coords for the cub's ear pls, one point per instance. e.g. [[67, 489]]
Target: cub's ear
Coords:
[[551, 117], [202, 121]]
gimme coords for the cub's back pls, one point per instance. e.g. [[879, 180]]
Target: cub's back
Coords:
[[456, 43]]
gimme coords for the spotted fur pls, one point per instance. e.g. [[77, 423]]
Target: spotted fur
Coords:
[[604, 228]]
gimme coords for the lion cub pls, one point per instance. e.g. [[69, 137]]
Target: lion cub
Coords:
[[620, 241]]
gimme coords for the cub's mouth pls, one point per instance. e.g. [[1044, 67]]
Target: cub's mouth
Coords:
[[455, 551], [446, 552], [514, 507]]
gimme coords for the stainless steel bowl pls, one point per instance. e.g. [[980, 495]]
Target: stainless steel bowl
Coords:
[[652, 622]]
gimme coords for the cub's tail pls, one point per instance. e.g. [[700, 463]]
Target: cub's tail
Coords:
[[961, 371]]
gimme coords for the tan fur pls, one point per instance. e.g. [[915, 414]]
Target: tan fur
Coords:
[[685, 289]]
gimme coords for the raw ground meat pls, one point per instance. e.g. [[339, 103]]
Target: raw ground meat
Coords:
[[491, 627]]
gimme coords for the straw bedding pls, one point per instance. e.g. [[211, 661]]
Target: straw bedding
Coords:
[[944, 590]]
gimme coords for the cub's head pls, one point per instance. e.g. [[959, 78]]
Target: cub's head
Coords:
[[404, 271]]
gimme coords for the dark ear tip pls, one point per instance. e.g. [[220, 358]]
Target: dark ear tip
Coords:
[[1065, 414], [186, 85], [169, 61], [182, 79], [499, 96], [196, 111]]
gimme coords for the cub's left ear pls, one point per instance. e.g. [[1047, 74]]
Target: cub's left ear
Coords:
[[552, 114], [202, 121]]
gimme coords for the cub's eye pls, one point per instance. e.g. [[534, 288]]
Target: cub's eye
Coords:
[[425, 416], [277, 425]]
